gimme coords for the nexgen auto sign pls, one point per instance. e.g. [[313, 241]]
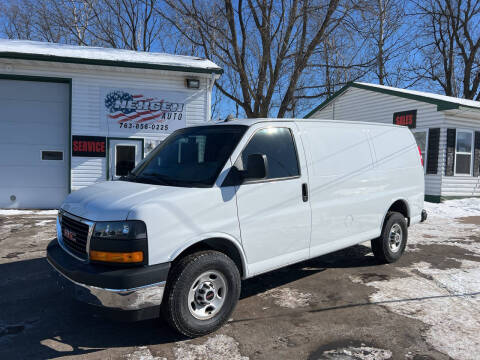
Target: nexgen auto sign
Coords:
[[130, 111], [132, 105]]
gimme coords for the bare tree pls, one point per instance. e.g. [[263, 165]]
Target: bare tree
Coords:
[[265, 46], [382, 26], [74, 16], [128, 24], [28, 19], [450, 46]]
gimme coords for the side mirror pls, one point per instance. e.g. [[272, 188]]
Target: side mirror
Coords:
[[256, 167]]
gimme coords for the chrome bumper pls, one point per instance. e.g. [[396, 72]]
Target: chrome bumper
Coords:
[[120, 299]]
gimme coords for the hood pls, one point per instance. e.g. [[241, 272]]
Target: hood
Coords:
[[113, 200]]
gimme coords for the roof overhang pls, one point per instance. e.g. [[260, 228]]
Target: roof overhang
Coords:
[[102, 62], [441, 104]]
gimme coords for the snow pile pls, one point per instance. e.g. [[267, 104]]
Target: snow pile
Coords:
[[218, 347], [454, 208], [44, 222], [13, 212], [288, 298], [143, 353], [357, 353], [449, 303]]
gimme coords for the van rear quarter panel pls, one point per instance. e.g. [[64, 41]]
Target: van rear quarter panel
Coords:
[[398, 169]]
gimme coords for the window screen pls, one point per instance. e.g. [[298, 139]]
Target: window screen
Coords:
[[277, 144], [52, 155], [463, 154]]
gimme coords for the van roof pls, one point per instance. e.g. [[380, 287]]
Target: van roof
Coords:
[[253, 121]]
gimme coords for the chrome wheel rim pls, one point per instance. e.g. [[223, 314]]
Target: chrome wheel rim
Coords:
[[395, 238], [207, 295]]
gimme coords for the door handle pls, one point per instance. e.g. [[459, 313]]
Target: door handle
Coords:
[[304, 192]]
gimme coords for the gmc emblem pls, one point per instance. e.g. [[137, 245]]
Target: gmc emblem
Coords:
[[70, 235]]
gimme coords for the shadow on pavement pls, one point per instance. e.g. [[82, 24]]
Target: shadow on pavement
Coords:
[[38, 320]]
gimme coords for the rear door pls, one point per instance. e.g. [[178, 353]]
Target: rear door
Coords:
[[274, 218]]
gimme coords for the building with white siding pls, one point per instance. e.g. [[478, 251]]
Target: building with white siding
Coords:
[[447, 130], [72, 116]]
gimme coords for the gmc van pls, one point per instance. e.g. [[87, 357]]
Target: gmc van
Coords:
[[216, 204]]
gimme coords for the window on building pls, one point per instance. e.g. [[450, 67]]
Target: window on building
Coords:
[[52, 155], [463, 152], [421, 138], [125, 159], [277, 144]]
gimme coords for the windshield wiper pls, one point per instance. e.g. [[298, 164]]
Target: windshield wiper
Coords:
[[156, 179], [159, 179]]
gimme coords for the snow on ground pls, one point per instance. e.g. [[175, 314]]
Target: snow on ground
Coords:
[[13, 212], [288, 298], [143, 353], [446, 300], [454, 208], [217, 347], [444, 228], [43, 222], [357, 353]]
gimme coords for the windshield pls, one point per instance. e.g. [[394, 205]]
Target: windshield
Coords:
[[191, 157]]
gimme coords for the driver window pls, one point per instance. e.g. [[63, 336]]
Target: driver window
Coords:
[[278, 145]]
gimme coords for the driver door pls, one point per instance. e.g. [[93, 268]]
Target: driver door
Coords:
[[274, 216]]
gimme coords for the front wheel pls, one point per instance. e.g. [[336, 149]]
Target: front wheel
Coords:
[[202, 291], [391, 244]]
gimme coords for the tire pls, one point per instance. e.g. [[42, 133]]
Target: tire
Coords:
[[186, 308], [391, 244]]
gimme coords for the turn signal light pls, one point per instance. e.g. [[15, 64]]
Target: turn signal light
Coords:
[[116, 257]]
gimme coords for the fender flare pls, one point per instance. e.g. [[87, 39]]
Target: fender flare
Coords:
[[389, 206], [214, 235]]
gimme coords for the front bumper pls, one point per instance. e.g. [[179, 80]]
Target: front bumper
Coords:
[[112, 288]]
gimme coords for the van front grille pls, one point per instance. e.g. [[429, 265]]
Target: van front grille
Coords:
[[75, 236]]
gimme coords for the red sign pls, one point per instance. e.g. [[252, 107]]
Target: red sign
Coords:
[[406, 118], [88, 146]]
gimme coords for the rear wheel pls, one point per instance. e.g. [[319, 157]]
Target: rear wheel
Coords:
[[391, 244], [202, 291]]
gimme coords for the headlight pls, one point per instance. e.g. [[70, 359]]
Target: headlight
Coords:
[[120, 230]]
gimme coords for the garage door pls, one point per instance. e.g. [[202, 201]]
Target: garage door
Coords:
[[33, 144]]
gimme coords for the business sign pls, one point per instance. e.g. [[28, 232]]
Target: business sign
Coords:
[[88, 146], [406, 118], [150, 111]]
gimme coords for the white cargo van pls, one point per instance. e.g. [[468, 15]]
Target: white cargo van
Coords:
[[216, 204]]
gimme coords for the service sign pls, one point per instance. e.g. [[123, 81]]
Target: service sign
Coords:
[[88, 146], [406, 118], [132, 111]]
